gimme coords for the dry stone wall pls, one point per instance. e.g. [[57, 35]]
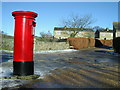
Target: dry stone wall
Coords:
[[51, 46]]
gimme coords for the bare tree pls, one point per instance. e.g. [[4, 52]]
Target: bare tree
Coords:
[[77, 21], [46, 36], [89, 35], [96, 28]]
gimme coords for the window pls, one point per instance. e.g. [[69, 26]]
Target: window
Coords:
[[58, 33], [69, 32], [103, 34]]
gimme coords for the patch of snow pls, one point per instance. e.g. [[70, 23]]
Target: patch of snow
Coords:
[[10, 60], [112, 53], [7, 51], [0, 71], [43, 72], [6, 72], [1, 50], [103, 60], [10, 82], [54, 51], [47, 51]]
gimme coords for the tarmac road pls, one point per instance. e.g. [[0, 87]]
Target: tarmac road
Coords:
[[85, 68]]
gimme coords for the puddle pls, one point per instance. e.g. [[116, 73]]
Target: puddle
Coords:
[[105, 60], [72, 62], [5, 57]]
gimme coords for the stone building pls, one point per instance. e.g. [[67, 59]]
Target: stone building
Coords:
[[104, 34], [63, 32], [116, 36], [116, 29]]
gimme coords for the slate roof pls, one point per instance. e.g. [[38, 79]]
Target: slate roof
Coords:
[[116, 25], [72, 29], [104, 30]]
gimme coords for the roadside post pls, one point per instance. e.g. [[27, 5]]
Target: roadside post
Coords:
[[23, 63]]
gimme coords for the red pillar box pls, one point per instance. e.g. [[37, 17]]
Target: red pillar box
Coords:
[[23, 42]]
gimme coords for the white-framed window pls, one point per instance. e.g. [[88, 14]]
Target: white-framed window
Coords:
[[79, 32], [103, 34], [69, 32], [118, 34], [58, 33]]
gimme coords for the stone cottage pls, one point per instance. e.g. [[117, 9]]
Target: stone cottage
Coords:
[[104, 34], [116, 36], [116, 29], [63, 32]]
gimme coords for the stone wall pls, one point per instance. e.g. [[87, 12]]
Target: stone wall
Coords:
[[116, 44], [103, 43], [51, 46], [76, 43], [79, 43], [7, 44]]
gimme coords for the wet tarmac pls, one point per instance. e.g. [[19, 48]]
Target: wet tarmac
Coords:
[[85, 68]]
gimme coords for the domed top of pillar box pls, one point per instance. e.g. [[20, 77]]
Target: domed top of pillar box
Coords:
[[28, 14]]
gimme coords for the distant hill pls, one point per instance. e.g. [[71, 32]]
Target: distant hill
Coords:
[[6, 41], [6, 36]]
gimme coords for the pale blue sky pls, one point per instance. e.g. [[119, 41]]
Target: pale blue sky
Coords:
[[51, 13]]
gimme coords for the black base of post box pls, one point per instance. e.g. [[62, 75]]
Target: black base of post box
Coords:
[[23, 68]]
